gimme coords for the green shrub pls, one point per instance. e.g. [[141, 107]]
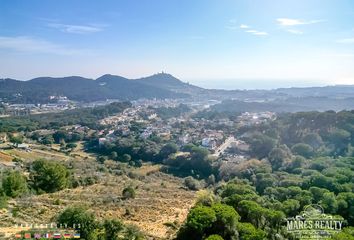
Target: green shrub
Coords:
[[49, 176], [214, 237], [128, 193], [14, 184], [79, 219]]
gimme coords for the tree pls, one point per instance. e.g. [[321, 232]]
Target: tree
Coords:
[[133, 233], [49, 176], [126, 157], [273, 218], [261, 145], [114, 155], [295, 163], [278, 156], [78, 218], [313, 139], [168, 149], [75, 137], [291, 207], [226, 220], [71, 145], [128, 193], [233, 188], [48, 140], [101, 159], [192, 183], [112, 229], [318, 193], [214, 237], [205, 198], [14, 184], [340, 138], [264, 180], [200, 218], [200, 162], [346, 206], [302, 149], [16, 139], [329, 202], [251, 211], [60, 136], [248, 232]]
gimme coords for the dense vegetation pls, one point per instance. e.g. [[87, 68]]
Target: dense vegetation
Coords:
[[92, 229], [302, 159], [170, 112], [83, 116]]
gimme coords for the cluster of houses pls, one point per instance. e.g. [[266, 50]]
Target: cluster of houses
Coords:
[[60, 104], [182, 129], [249, 119]]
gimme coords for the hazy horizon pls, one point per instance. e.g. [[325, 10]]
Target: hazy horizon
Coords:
[[226, 84], [257, 84]]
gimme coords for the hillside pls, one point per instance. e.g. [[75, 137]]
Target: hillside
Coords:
[[76, 88], [163, 85]]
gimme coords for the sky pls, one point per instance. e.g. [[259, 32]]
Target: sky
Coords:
[[212, 43]]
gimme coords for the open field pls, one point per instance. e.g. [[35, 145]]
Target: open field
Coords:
[[160, 200]]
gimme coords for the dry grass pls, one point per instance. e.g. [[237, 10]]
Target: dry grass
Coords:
[[160, 199], [4, 157]]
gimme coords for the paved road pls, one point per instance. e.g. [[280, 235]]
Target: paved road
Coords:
[[224, 146]]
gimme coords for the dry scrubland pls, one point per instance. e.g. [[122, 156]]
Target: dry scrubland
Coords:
[[160, 206]]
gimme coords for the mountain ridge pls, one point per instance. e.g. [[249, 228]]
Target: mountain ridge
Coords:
[[160, 86], [38, 90]]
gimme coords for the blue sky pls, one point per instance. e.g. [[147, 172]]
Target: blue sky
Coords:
[[213, 43]]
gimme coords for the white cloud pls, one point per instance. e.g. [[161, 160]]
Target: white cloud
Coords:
[[78, 29], [346, 40], [244, 26], [293, 31], [248, 29], [256, 32], [34, 45], [295, 22]]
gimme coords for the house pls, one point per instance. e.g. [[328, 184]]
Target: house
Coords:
[[164, 135], [208, 142], [101, 141], [125, 132], [22, 146], [185, 139], [145, 134]]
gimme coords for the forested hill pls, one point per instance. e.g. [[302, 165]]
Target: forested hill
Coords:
[[76, 88], [163, 85]]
